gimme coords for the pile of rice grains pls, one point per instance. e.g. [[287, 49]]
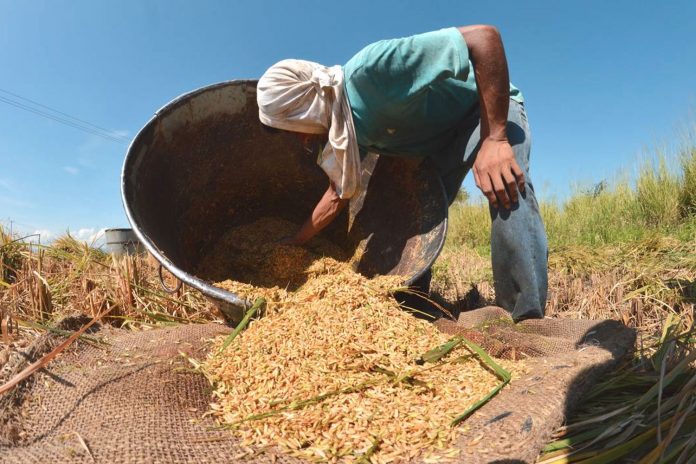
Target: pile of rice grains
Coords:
[[330, 372]]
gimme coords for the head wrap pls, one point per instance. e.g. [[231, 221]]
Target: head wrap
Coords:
[[302, 96]]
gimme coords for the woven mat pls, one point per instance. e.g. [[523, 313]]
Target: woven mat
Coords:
[[137, 400]]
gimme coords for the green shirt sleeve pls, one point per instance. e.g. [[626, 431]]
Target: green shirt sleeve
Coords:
[[412, 63]]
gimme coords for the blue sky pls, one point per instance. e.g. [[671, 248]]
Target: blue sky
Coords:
[[604, 80]]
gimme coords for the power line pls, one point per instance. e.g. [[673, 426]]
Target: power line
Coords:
[[98, 132], [60, 112], [62, 118]]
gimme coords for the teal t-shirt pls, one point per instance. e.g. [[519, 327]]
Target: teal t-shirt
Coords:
[[409, 95]]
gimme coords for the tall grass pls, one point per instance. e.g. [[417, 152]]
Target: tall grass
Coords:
[[10, 257], [687, 196], [661, 199]]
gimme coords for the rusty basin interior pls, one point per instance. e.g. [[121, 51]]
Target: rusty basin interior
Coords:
[[204, 163]]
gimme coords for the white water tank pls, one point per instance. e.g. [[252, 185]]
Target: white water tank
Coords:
[[122, 242]]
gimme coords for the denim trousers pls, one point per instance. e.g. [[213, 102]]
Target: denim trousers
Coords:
[[519, 251]]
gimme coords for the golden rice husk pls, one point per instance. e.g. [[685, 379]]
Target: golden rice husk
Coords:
[[338, 330]]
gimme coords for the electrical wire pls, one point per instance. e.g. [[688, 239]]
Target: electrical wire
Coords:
[[62, 118], [61, 113], [62, 121]]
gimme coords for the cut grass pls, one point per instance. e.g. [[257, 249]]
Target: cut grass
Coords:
[[644, 413]]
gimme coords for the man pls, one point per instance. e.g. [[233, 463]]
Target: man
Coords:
[[444, 95]]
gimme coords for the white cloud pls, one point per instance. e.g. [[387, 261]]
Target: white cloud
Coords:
[[71, 170], [90, 235], [45, 235]]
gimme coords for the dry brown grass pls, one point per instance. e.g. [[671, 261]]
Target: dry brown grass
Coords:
[[40, 285], [639, 283]]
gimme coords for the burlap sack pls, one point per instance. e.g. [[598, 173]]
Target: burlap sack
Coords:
[[137, 400]]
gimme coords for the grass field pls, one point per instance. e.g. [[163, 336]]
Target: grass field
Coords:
[[623, 250]]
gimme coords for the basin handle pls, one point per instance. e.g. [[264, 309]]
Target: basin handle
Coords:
[[164, 286]]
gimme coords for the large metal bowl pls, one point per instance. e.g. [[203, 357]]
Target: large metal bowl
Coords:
[[204, 163]]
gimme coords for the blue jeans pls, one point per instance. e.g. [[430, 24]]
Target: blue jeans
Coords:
[[519, 251]]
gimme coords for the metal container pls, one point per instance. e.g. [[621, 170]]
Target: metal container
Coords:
[[204, 163], [122, 242]]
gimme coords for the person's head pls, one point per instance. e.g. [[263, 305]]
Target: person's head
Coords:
[[291, 97], [313, 143], [309, 99]]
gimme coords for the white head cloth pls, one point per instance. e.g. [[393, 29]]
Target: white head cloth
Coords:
[[303, 96]]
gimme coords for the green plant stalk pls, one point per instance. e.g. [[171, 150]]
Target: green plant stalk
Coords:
[[670, 327], [441, 351], [684, 389], [572, 440], [258, 304], [583, 437], [593, 420], [613, 454], [365, 457], [668, 379], [299, 404], [404, 378], [676, 449], [613, 383], [499, 371]]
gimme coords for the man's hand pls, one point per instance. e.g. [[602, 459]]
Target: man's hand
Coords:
[[497, 173], [326, 211]]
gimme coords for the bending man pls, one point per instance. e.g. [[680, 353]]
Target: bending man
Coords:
[[443, 95]]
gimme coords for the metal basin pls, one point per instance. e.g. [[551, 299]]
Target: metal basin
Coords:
[[204, 163]]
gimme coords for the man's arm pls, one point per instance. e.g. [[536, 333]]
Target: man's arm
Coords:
[[326, 211], [496, 171]]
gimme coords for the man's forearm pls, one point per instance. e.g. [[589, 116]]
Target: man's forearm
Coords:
[[496, 171], [492, 79], [326, 211]]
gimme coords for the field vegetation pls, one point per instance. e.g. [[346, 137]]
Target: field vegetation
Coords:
[[623, 250]]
